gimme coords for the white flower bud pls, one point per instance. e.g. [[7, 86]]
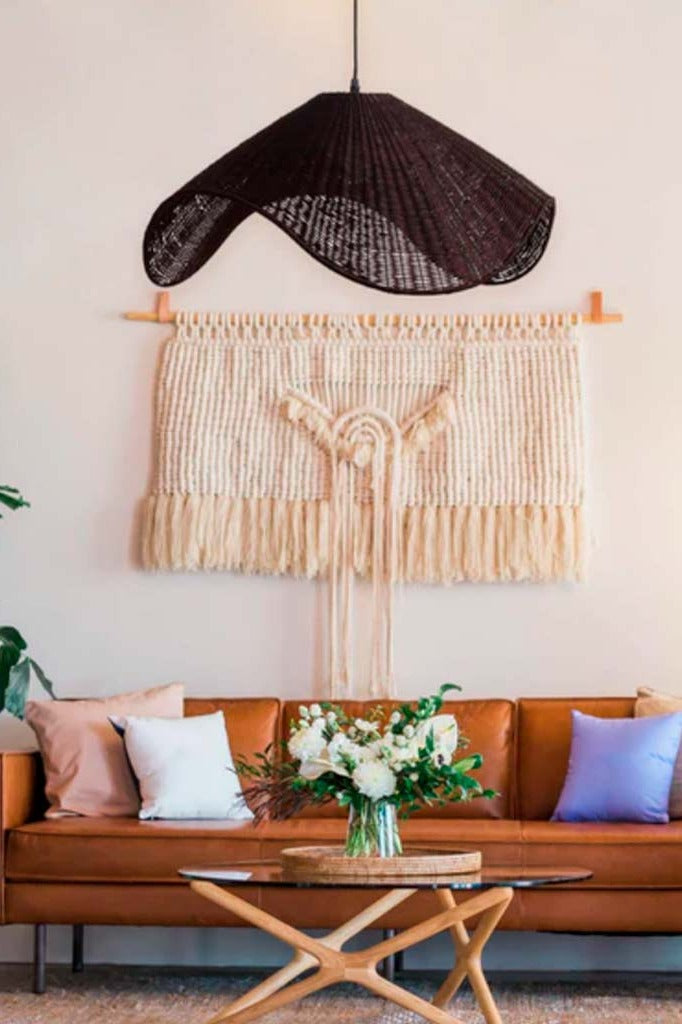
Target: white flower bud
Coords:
[[365, 727], [409, 731], [315, 710], [395, 718], [303, 711]]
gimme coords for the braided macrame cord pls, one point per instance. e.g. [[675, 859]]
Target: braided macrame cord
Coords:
[[441, 450]]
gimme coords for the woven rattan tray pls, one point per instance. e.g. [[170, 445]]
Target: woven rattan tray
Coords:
[[331, 860]]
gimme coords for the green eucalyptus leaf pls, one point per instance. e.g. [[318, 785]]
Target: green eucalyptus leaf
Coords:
[[467, 782], [11, 635], [17, 691]]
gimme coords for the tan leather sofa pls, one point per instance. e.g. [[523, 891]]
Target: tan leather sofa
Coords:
[[123, 871]]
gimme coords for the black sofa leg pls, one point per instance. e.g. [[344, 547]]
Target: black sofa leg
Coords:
[[39, 958], [77, 948], [389, 965]]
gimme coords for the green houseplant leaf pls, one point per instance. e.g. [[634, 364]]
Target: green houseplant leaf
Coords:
[[12, 636], [17, 691], [11, 498], [15, 665], [42, 678], [9, 656]]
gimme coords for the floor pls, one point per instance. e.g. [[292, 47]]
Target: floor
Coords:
[[124, 995]]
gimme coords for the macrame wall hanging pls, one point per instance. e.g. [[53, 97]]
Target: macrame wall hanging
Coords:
[[439, 450]]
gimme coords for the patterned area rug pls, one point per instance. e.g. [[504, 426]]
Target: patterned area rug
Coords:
[[146, 996]]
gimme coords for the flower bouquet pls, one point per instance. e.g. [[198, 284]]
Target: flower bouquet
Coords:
[[378, 767]]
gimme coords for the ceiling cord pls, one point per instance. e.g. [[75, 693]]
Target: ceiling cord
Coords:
[[355, 81]]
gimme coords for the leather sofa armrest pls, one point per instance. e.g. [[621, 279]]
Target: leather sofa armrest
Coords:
[[21, 794], [20, 800]]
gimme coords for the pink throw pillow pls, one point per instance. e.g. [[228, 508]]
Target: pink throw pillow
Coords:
[[86, 768]]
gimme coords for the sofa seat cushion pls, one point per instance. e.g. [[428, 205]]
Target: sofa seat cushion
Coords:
[[128, 850], [123, 849], [619, 854]]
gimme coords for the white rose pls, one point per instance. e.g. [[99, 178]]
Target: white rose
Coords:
[[315, 710], [395, 718], [306, 744], [409, 731], [303, 711], [374, 779], [331, 716]]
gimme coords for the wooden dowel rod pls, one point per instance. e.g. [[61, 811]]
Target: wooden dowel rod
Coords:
[[163, 314]]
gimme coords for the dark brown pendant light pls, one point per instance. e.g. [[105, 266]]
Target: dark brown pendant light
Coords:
[[371, 187]]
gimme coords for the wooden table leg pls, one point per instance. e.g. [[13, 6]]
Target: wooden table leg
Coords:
[[333, 965], [301, 960], [468, 949]]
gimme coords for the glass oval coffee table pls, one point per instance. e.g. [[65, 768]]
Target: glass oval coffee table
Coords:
[[494, 890]]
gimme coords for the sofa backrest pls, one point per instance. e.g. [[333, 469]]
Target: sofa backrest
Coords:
[[525, 747], [252, 722], [543, 745], [489, 727]]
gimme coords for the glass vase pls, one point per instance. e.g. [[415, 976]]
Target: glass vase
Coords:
[[373, 830]]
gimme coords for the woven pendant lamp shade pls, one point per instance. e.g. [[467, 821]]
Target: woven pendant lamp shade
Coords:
[[372, 188]]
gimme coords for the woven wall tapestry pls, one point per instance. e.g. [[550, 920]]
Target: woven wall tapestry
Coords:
[[438, 450]]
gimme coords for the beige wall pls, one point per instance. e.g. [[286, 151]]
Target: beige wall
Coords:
[[107, 107]]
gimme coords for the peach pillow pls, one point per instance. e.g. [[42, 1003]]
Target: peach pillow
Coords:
[[86, 767], [653, 702]]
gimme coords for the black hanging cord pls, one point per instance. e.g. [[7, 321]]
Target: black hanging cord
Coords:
[[355, 81]]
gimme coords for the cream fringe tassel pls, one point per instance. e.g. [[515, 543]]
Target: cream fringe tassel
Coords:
[[437, 545]]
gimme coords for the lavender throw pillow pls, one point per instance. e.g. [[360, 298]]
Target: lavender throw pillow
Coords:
[[620, 769]]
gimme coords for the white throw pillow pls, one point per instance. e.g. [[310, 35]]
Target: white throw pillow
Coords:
[[183, 766]]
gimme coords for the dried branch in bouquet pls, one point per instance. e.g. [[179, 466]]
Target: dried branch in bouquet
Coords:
[[274, 789]]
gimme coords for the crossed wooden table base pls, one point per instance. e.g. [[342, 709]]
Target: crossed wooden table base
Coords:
[[333, 965]]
